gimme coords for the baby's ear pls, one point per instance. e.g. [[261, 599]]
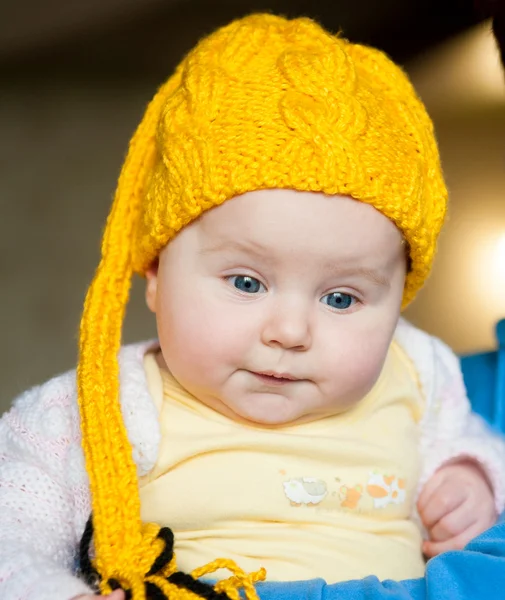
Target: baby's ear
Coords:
[[152, 286]]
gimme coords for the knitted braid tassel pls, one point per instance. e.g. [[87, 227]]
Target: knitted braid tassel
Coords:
[[164, 580], [129, 554], [262, 103]]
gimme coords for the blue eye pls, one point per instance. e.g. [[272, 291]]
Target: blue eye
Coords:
[[244, 283], [338, 300]]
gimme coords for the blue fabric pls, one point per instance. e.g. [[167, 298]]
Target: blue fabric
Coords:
[[484, 376], [471, 574]]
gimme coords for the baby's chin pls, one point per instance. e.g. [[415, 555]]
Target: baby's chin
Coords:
[[271, 410]]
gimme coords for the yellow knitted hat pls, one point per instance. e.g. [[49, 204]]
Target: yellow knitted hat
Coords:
[[264, 102]]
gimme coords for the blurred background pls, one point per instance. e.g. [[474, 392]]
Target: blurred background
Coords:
[[76, 77]]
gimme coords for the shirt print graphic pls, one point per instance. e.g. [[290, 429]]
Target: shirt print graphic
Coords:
[[376, 493]]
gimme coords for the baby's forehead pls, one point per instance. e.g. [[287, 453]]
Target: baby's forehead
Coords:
[[284, 209], [306, 224]]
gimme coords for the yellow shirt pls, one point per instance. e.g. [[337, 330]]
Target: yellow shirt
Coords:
[[331, 498]]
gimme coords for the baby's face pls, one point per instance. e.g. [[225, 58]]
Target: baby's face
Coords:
[[279, 306]]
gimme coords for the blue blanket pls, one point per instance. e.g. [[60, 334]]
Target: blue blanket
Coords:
[[476, 573]]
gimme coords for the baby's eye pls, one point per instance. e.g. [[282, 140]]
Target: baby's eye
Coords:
[[339, 300], [247, 284]]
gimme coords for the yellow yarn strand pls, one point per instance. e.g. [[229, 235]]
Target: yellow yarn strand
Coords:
[[125, 548], [122, 550]]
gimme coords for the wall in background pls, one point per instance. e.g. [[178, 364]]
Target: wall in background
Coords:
[[463, 87]]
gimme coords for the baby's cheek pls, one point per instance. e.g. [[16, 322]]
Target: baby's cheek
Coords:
[[371, 362], [358, 379], [191, 347], [202, 344], [356, 369], [370, 368]]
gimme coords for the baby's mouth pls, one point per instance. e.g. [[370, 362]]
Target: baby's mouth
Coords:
[[275, 379]]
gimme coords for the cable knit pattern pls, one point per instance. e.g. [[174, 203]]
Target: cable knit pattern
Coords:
[[44, 491], [266, 102]]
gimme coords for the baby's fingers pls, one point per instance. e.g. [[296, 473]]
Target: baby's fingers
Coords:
[[116, 595], [442, 501], [431, 549], [453, 524]]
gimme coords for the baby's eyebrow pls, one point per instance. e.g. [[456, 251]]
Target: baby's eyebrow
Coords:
[[353, 268], [261, 251], [247, 246], [373, 275]]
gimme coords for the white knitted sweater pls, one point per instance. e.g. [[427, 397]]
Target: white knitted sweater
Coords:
[[44, 492]]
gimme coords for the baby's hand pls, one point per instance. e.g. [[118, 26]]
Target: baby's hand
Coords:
[[116, 595], [456, 505]]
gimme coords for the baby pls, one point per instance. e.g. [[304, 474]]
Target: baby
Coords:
[[283, 197]]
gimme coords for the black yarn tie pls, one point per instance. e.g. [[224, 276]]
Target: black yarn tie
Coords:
[[182, 580], [204, 590], [153, 592], [166, 555], [86, 570], [114, 585]]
